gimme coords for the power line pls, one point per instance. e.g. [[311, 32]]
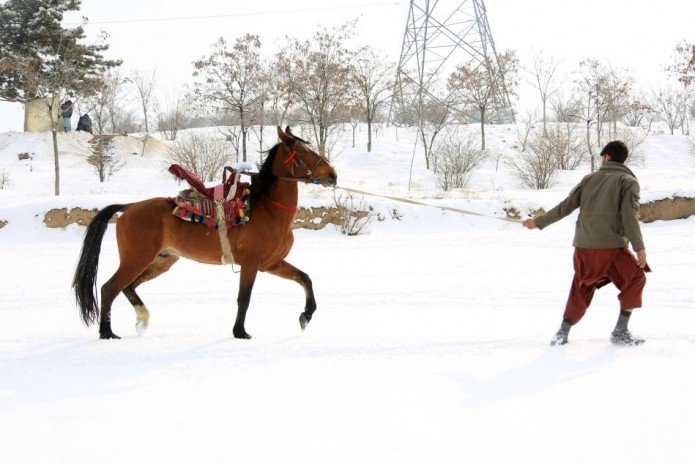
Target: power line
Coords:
[[239, 15]]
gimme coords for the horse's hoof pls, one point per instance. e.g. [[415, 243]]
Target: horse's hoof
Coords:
[[109, 335], [242, 335], [303, 321], [140, 327]]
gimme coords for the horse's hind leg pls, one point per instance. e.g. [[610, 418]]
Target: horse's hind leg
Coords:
[[288, 271], [124, 276], [161, 264]]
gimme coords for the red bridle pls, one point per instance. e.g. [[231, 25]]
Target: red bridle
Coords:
[[292, 160]]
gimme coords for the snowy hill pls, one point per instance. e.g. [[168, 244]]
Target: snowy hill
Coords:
[[430, 342]]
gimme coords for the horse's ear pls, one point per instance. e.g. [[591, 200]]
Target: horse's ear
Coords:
[[289, 132], [282, 135]]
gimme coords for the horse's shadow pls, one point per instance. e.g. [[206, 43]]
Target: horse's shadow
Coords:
[[54, 371]]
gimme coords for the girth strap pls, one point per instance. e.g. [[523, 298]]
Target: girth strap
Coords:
[[220, 198]]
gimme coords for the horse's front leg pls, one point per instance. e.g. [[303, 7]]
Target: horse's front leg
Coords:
[[288, 271], [247, 278]]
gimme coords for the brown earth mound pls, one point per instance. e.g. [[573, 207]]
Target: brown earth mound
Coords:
[[667, 209], [61, 218], [3, 223], [314, 218]]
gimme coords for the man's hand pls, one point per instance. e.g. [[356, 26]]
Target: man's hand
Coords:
[[642, 258], [529, 223]]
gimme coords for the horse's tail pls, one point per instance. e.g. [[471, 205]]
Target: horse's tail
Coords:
[[85, 281]]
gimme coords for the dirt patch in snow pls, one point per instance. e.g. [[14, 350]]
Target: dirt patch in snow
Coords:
[[61, 218], [3, 223], [314, 218], [667, 209]]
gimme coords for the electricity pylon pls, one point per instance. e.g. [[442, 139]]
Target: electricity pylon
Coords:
[[439, 35]]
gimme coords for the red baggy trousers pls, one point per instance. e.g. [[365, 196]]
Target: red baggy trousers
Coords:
[[594, 268]]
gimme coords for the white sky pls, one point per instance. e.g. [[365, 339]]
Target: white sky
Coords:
[[637, 34]]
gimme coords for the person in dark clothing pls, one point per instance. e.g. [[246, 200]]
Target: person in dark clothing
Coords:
[[608, 202], [66, 113], [85, 123]]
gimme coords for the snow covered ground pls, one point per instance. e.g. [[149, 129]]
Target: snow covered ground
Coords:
[[430, 343]]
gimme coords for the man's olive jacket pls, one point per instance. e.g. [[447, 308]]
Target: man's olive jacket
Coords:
[[608, 202]]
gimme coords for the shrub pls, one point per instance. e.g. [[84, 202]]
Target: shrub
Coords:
[[103, 158], [355, 214], [455, 158]]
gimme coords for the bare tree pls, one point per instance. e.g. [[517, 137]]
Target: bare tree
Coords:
[[545, 80], [616, 99], [106, 101], [566, 108], [278, 91], [373, 78], [145, 83], [527, 127], [432, 119], [636, 112], [483, 85], [204, 155], [317, 74], [589, 91], [175, 115], [228, 81], [683, 66], [669, 104], [354, 114], [116, 100]]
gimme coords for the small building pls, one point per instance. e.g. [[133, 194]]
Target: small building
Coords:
[[36, 115]]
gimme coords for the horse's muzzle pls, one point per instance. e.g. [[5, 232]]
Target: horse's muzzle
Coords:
[[330, 180]]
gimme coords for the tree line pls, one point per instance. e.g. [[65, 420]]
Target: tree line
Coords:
[[323, 85]]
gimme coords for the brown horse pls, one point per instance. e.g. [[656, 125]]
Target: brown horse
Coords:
[[151, 239]]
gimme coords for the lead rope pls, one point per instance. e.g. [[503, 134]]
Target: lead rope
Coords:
[[412, 201]]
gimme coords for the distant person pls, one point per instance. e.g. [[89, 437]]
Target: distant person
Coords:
[[66, 113], [608, 201], [85, 123]]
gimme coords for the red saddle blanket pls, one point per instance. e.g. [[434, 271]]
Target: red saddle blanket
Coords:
[[197, 204]]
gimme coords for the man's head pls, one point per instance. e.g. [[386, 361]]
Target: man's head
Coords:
[[616, 151]]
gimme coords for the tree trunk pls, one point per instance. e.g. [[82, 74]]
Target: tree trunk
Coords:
[[369, 134], [427, 154], [147, 125], [482, 129], [55, 157], [545, 130], [588, 144], [243, 128]]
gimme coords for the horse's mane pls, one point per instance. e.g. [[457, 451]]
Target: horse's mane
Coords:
[[262, 180]]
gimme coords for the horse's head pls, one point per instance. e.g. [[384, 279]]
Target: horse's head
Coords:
[[297, 160]]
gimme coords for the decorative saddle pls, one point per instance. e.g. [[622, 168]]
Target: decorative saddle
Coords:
[[200, 204]]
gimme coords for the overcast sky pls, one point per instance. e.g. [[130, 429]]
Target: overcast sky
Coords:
[[637, 34]]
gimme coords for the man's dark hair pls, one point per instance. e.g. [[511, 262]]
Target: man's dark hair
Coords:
[[617, 150]]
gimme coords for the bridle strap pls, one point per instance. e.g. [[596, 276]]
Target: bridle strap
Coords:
[[284, 207], [297, 179], [290, 158]]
